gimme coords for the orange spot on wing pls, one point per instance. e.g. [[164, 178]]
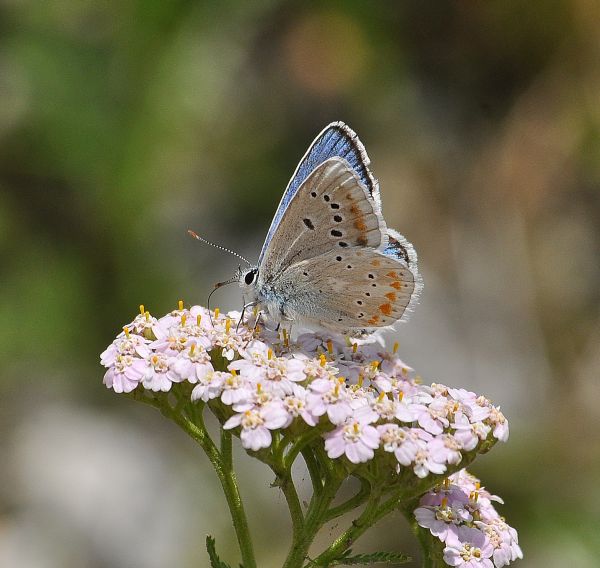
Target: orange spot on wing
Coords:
[[375, 263], [396, 285], [360, 224], [386, 309], [374, 320], [393, 274], [391, 296]]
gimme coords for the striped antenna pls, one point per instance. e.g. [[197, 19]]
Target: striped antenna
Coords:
[[198, 237]]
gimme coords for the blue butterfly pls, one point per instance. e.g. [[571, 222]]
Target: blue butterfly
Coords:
[[329, 260]]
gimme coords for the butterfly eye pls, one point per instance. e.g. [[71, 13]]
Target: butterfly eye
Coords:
[[249, 278]]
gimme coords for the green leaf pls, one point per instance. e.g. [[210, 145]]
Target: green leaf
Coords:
[[371, 558], [215, 561]]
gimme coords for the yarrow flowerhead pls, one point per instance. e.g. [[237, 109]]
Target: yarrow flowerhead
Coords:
[[366, 402], [461, 514]]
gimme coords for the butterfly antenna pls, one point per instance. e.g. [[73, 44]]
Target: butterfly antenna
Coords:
[[198, 237]]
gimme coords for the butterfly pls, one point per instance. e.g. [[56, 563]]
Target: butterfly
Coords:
[[329, 260]]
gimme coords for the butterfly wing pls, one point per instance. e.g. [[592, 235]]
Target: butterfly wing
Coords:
[[400, 249], [336, 140], [329, 258], [330, 211], [355, 289]]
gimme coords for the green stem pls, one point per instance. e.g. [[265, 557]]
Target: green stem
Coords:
[[313, 470], [279, 447], [226, 449], [352, 503], [372, 513], [299, 445], [314, 520], [425, 550], [406, 499], [222, 463], [234, 500], [285, 481], [291, 496]]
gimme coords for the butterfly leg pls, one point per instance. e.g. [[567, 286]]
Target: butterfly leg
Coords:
[[237, 327], [258, 316], [246, 305], [286, 333]]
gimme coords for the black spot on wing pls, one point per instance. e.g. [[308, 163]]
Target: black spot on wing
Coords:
[[396, 249]]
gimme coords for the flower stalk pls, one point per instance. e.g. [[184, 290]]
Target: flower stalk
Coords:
[[190, 420]]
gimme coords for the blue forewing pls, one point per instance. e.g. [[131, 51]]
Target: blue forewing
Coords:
[[336, 140]]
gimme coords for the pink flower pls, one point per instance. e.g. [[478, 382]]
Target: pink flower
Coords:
[[227, 335], [191, 364], [234, 390], [356, 439], [469, 434], [464, 481], [468, 548], [393, 366], [433, 416], [467, 399], [156, 376], [320, 369], [499, 424], [209, 386], [170, 336], [442, 519], [385, 383], [126, 373], [125, 344], [329, 396], [391, 408], [462, 502], [258, 397], [424, 463], [445, 449], [401, 441], [257, 425], [277, 374], [350, 370], [295, 405], [479, 410], [142, 324], [312, 343], [504, 541], [449, 491], [201, 317]]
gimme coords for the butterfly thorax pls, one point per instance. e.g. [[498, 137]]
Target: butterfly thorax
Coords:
[[272, 298]]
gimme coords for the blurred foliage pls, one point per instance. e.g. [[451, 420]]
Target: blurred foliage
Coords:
[[122, 124]]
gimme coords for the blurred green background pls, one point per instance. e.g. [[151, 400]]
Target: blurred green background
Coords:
[[124, 123]]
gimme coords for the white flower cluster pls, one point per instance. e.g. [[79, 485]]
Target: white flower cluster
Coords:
[[461, 515], [364, 400]]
